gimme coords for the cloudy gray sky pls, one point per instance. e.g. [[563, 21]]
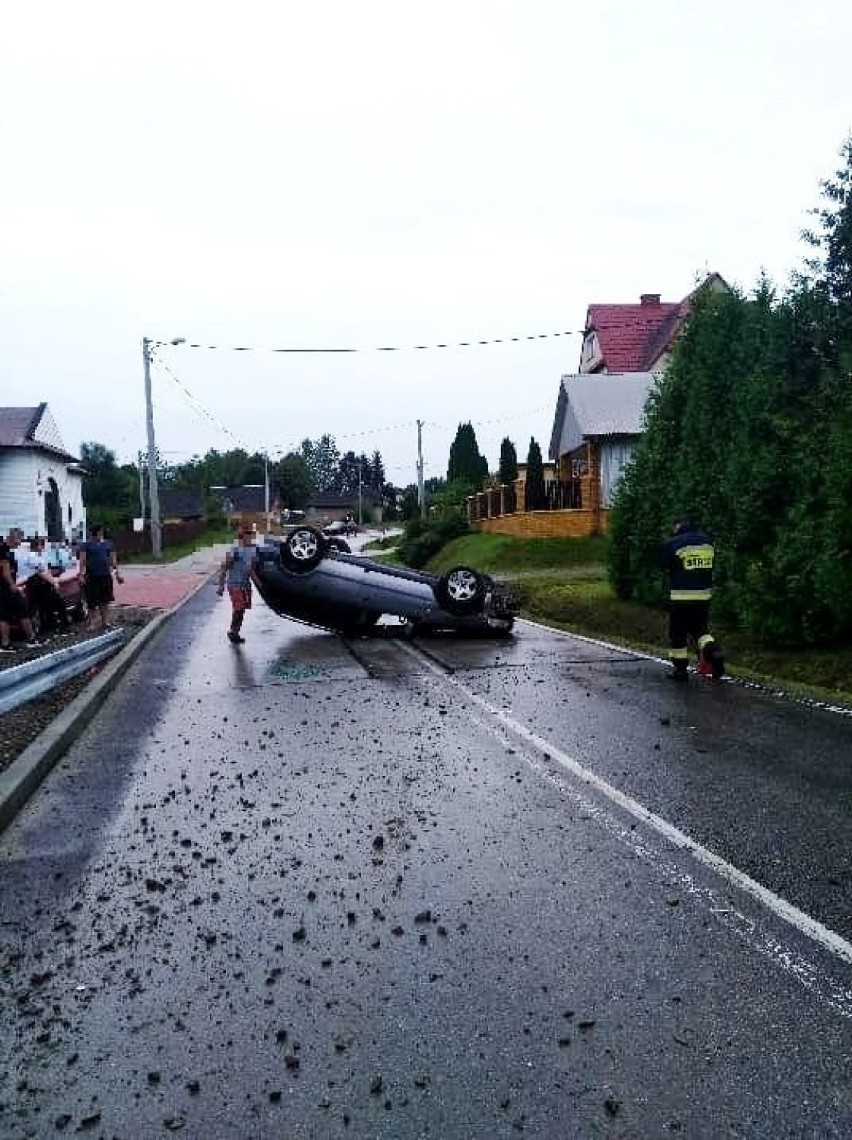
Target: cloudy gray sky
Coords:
[[359, 175]]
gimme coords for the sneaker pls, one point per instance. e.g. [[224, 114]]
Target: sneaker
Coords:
[[35, 643], [235, 638], [8, 649]]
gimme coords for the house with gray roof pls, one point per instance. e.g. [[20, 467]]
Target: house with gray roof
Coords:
[[599, 418], [41, 482], [181, 504]]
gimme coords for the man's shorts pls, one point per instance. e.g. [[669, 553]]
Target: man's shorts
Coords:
[[13, 606], [240, 598], [98, 590]]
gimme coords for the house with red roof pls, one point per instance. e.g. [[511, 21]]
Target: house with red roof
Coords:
[[637, 337], [598, 420]]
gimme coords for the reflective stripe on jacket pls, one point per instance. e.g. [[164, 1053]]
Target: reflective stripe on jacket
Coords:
[[688, 558]]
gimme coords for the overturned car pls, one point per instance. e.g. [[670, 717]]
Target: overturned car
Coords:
[[304, 576]]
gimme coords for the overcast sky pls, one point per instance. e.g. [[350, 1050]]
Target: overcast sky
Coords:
[[341, 174]]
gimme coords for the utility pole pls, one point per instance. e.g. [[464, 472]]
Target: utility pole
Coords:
[[266, 488], [421, 493], [153, 490]]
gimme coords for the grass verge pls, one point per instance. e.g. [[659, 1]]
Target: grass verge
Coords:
[[172, 553], [562, 582]]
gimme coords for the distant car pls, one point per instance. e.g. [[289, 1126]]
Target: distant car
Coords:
[[334, 532], [302, 576], [346, 527]]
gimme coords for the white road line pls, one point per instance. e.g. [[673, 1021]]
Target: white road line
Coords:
[[839, 997], [784, 694]]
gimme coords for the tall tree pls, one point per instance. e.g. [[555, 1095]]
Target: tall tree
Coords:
[[294, 480], [466, 464], [832, 266], [111, 494], [536, 498], [377, 472], [508, 462], [322, 460]]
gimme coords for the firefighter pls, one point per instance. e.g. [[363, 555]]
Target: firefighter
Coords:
[[688, 560]]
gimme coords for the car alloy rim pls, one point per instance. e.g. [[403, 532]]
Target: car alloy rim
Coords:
[[462, 585], [303, 545]]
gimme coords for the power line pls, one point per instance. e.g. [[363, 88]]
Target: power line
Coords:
[[197, 405], [349, 435], [380, 348]]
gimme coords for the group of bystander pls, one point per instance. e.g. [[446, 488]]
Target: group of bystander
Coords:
[[28, 590]]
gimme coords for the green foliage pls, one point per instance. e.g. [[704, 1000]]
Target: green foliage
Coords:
[[449, 499], [508, 472], [536, 498], [110, 492], [322, 460], [292, 477], [832, 266], [424, 538], [466, 464], [410, 504], [504, 554], [750, 433]]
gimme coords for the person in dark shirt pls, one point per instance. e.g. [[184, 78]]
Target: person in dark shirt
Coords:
[[97, 567], [687, 558], [13, 606]]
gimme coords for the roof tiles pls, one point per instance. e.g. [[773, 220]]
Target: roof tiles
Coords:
[[632, 337]]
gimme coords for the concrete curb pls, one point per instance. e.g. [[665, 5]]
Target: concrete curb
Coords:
[[26, 773]]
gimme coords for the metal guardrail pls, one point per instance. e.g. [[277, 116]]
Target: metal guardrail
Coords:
[[31, 679]]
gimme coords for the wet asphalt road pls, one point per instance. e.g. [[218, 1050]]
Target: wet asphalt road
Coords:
[[316, 888]]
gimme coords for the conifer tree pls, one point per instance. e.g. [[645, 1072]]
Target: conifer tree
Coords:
[[466, 464], [508, 462], [536, 498]]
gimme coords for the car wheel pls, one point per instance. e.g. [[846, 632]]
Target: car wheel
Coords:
[[303, 549], [461, 590]]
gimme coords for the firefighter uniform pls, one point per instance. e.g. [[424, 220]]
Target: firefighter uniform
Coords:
[[688, 560]]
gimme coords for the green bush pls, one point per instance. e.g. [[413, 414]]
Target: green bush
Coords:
[[424, 538]]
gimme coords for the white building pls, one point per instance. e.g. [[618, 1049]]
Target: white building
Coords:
[[41, 484]]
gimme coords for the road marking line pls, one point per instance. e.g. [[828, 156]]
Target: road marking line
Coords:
[[740, 682], [839, 997]]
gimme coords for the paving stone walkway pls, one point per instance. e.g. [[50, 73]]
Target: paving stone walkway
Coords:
[[159, 587]]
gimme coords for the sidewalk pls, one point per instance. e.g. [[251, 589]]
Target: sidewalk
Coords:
[[164, 585], [35, 736]]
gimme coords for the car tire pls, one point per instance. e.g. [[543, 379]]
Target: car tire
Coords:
[[461, 590], [303, 549]]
